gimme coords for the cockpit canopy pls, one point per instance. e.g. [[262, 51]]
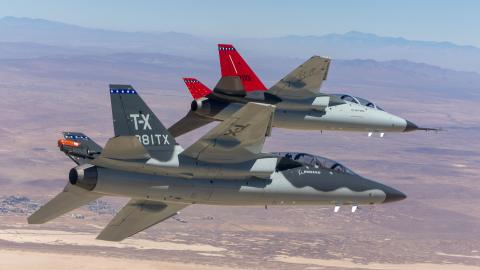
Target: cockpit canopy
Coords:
[[315, 161], [358, 100]]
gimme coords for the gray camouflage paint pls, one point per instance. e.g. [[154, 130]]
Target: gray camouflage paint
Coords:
[[300, 186], [223, 167]]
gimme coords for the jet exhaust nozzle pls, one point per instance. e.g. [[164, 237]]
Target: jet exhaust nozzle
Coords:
[[83, 176], [203, 107], [196, 105]]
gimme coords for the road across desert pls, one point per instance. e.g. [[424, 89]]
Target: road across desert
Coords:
[[13, 259], [49, 261]]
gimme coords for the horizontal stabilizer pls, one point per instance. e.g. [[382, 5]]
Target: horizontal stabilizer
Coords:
[[136, 216], [69, 199]]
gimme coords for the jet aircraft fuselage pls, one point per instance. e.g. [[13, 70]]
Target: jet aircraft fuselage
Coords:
[[270, 180], [319, 112], [224, 167], [299, 103]]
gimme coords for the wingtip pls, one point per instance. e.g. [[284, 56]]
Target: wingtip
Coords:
[[321, 56], [33, 221], [36, 218], [106, 235], [108, 238]]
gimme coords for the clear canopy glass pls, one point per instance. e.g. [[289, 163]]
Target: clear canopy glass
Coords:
[[315, 161], [358, 100]]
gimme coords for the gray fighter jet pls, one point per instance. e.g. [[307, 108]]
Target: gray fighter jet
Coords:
[[297, 97], [224, 167]]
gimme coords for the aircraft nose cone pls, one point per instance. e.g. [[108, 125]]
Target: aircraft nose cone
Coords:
[[410, 126], [394, 195]]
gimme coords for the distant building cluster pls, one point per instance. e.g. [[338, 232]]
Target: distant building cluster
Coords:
[[23, 206], [17, 205], [101, 208]]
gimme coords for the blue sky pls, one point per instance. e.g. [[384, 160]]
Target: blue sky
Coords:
[[455, 21]]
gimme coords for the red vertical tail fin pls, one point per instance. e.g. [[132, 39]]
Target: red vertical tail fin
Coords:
[[196, 88], [232, 64]]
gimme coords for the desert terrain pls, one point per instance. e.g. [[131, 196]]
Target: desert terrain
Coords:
[[437, 227]]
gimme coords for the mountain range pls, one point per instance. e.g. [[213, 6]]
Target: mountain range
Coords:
[[26, 32]]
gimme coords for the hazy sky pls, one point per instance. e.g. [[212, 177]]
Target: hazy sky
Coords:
[[455, 21]]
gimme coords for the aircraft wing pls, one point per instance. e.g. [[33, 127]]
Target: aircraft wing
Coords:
[[69, 199], [136, 216], [303, 81], [237, 139]]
